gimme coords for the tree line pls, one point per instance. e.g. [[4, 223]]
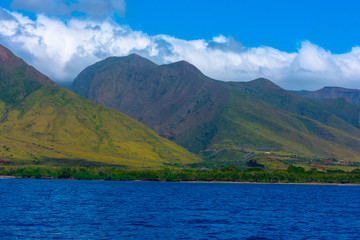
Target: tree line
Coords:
[[227, 174]]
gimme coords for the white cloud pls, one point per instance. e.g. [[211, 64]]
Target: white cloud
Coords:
[[313, 59], [220, 39], [62, 49]]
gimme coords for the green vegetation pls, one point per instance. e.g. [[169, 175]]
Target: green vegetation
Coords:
[[53, 122], [250, 123], [227, 174], [42, 123]]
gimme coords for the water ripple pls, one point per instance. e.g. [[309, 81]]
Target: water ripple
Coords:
[[60, 209]]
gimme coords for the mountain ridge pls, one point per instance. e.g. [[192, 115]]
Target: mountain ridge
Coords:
[[202, 114], [352, 95]]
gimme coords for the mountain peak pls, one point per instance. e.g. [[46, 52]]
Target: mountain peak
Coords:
[[330, 88], [184, 66], [182, 63], [328, 92], [263, 83], [131, 60], [18, 79], [134, 55], [6, 55]]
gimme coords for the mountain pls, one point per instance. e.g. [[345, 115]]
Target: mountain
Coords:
[[155, 95], [17, 78], [352, 95], [331, 112], [43, 123], [208, 116]]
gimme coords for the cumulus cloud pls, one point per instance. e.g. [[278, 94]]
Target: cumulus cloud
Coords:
[[62, 49], [66, 8]]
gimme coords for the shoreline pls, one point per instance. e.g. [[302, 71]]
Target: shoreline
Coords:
[[8, 177], [232, 182], [289, 183]]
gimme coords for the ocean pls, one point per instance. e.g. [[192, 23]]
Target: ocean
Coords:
[[72, 209]]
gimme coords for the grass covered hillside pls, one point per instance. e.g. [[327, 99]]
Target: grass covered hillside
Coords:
[[42, 123], [331, 112], [254, 125], [209, 117]]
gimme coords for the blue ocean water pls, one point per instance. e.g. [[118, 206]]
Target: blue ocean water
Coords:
[[65, 209]]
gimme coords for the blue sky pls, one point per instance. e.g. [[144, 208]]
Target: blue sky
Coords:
[[297, 44], [281, 24]]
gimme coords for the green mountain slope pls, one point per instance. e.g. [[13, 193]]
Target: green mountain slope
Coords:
[[256, 125], [208, 116], [17, 79], [43, 123], [331, 112], [353, 95]]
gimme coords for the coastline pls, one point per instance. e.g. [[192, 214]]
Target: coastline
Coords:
[[232, 182], [8, 177], [271, 183]]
